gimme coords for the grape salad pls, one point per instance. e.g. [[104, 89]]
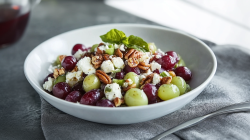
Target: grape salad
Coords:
[[118, 72]]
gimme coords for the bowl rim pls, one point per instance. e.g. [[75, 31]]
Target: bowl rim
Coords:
[[193, 91]]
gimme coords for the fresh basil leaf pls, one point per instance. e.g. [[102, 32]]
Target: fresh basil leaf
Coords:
[[139, 42], [114, 36]]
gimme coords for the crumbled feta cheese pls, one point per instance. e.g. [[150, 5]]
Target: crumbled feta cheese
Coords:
[[158, 56], [145, 56], [48, 85], [130, 82], [79, 54], [156, 78], [160, 51], [85, 65], [147, 61], [141, 77], [115, 91], [111, 56], [51, 68], [104, 47], [118, 62], [107, 66], [122, 47], [147, 73], [125, 84], [116, 46], [155, 65], [73, 77]]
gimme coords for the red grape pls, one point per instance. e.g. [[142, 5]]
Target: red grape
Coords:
[[105, 103], [73, 96], [69, 63], [78, 47], [174, 55], [151, 91], [78, 87], [128, 69], [91, 97], [167, 62], [61, 90], [183, 72], [119, 75], [46, 78]]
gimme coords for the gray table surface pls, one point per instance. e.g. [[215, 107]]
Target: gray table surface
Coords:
[[20, 104]]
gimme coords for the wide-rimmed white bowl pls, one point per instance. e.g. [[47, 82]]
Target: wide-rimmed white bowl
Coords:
[[197, 55]]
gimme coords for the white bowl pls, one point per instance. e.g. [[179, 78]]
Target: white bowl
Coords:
[[197, 56]]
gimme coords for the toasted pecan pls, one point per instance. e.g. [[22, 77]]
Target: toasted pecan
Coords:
[[58, 72], [166, 80], [172, 73], [103, 77], [97, 60], [143, 66], [132, 53], [61, 57], [133, 62], [75, 69], [99, 51], [119, 53], [148, 79], [105, 57], [118, 101], [129, 87]]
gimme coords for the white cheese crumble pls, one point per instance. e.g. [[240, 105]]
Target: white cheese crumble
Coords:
[[145, 56], [155, 65], [103, 47], [118, 62], [85, 66], [156, 78], [73, 77], [79, 54], [116, 46], [48, 85], [107, 66], [127, 82], [51, 68], [160, 51], [122, 47], [158, 56], [141, 77], [115, 91]]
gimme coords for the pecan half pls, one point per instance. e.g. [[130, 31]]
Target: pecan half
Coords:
[[61, 57], [103, 77], [148, 79], [75, 69], [99, 51], [133, 62], [106, 57], [97, 60], [119, 53], [118, 101], [88, 54], [172, 73], [143, 66], [132, 53], [129, 87], [166, 80], [58, 72]]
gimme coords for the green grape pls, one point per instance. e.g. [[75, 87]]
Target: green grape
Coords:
[[93, 47], [180, 83], [168, 91], [180, 62], [57, 62], [134, 77], [152, 47], [110, 50], [135, 97], [118, 81], [188, 88], [61, 78], [91, 82]]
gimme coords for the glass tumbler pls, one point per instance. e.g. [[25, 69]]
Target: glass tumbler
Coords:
[[14, 16]]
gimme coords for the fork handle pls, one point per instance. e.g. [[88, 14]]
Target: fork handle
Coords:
[[229, 109]]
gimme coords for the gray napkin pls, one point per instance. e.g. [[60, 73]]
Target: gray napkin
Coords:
[[230, 85]]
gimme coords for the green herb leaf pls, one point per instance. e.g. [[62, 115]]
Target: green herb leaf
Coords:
[[138, 43], [115, 36], [108, 89], [165, 74]]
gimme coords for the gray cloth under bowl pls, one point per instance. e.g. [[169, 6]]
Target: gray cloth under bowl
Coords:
[[230, 85]]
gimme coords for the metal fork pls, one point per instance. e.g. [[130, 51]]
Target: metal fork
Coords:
[[241, 107]]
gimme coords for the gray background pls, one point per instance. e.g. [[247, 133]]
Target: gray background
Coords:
[[20, 104]]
